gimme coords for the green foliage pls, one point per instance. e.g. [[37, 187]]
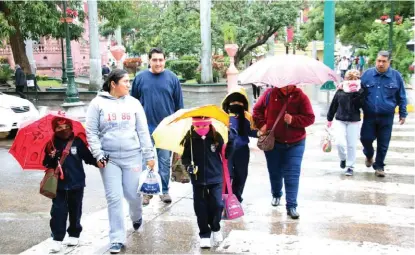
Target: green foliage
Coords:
[[5, 73], [186, 68], [402, 58], [42, 77], [188, 57], [229, 33], [353, 19]]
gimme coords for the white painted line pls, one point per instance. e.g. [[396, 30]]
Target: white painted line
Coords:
[[240, 241]]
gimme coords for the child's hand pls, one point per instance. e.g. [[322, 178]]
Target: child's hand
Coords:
[[101, 164], [151, 163], [52, 154]]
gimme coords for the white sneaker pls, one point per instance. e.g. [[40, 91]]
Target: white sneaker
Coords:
[[55, 246], [217, 237], [72, 241], [205, 243]]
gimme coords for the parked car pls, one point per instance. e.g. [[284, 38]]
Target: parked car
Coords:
[[14, 111]]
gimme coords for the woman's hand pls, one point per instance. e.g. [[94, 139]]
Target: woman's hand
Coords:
[[329, 123], [262, 130], [101, 164], [288, 118], [150, 163]]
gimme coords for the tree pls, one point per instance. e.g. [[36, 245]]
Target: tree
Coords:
[[354, 19], [23, 20], [256, 21], [377, 39]]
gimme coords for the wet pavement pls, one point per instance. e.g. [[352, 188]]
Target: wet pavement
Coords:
[[361, 214]]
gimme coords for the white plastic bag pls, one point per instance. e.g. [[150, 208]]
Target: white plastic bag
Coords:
[[149, 183], [327, 140]]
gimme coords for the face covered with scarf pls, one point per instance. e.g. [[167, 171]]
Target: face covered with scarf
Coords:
[[201, 125], [62, 128]]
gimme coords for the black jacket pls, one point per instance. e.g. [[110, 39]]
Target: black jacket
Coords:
[[206, 156], [346, 106], [20, 78], [73, 170]]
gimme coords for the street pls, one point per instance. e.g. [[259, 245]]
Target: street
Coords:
[[361, 214]]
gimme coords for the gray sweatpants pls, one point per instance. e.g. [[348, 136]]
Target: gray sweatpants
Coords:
[[120, 178], [347, 136]]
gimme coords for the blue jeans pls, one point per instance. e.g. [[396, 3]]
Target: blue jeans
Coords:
[[284, 163], [164, 162], [378, 128]]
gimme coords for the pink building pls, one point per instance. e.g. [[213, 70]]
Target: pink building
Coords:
[[47, 54]]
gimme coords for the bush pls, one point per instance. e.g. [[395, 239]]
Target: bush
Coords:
[[5, 73], [189, 58], [198, 77], [3, 60], [187, 68], [42, 77], [132, 62]]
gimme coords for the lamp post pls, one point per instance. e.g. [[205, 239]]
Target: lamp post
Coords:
[[64, 78], [72, 105], [72, 95]]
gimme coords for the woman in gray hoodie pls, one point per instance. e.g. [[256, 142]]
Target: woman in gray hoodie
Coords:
[[117, 132]]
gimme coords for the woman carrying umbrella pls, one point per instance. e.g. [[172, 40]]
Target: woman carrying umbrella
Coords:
[[116, 126], [284, 161]]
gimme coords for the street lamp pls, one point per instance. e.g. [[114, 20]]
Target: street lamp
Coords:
[[72, 95], [64, 78], [72, 105]]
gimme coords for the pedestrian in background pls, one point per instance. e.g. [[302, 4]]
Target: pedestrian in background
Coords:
[[346, 106], [160, 93], [384, 90], [20, 81]]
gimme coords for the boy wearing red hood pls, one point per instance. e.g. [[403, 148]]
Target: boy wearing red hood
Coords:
[[70, 192]]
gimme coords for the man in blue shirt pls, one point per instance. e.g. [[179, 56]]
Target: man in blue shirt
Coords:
[[384, 88], [160, 93]]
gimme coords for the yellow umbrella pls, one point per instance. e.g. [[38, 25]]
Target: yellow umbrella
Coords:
[[171, 131]]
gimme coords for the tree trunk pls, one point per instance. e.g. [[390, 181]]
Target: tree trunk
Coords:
[[206, 39], [16, 41]]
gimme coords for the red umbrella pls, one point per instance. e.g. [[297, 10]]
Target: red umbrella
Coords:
[[29, 145]]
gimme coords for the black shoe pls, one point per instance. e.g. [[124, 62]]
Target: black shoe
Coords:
[[349, 172], [275, 201], [292, 212], [343, 164], [137, 224]]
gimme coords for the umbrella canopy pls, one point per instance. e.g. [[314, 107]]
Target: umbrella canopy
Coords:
[[31, 139], [284, 70], [170, 132]]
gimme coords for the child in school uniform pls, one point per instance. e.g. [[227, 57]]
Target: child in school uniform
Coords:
[[237, 106], [202, 158], [70, 190]]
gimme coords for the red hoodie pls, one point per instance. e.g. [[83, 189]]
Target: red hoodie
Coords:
[[299, 107]]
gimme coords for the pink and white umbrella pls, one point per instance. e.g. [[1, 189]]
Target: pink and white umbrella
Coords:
[[284, 70]]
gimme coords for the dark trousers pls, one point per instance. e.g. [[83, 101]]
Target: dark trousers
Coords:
[[343, 73], [66, 202], [284, 163], [238, 168], [208, 206], [256, 91], [376, 128], [20, 91]]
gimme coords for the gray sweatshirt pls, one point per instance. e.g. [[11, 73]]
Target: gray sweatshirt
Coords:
[[117, 127]]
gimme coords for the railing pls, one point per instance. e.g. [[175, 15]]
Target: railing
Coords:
[[49, 48]]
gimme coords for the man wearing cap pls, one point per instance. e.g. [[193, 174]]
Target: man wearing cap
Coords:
[[384, 89]]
